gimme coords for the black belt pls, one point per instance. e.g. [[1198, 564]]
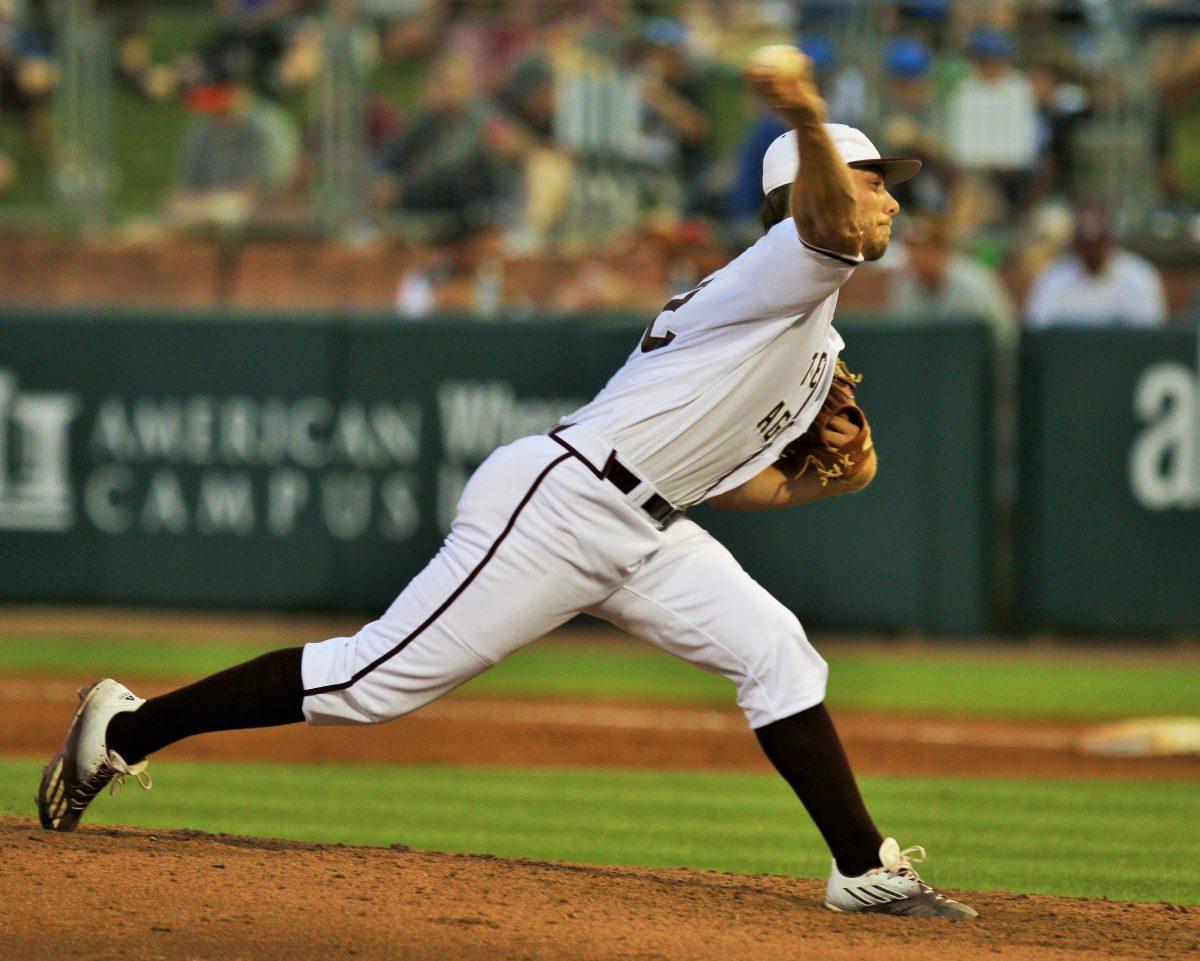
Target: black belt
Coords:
[[657, 507]]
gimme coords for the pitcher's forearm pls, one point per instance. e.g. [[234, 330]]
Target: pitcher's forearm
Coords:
[[771, 489], [823, 195], [778, 487]]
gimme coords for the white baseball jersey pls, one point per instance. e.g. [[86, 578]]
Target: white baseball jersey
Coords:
[[729, 373], [726, 375]]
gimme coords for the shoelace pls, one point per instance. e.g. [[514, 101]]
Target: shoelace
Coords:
[[907, 856], [903, 867], [113, 772]]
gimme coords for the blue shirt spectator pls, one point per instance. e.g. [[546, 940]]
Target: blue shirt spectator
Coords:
[[746, 193]]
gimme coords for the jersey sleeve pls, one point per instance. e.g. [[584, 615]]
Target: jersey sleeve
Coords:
[[793, 276]]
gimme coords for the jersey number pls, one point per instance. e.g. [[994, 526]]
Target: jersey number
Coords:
[[649, 341], [814, 375], [779, 417]]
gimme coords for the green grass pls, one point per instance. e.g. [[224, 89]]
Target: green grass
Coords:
[[1067, 687], [1129, 841], [1186, 152], [171, 660]]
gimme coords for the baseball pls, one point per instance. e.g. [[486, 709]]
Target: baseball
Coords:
[[781, 57]]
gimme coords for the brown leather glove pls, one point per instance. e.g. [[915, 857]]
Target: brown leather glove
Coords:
[[826, 450]]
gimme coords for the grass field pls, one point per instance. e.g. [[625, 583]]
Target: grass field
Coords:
[[1100, 840], [1065, 686], [1097, 839]]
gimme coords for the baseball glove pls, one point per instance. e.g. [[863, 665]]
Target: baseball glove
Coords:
[[831, 451]]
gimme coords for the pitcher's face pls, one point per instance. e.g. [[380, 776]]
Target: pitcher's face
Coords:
[[876, 210]]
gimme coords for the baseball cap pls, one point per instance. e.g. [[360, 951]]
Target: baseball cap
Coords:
[[819, 49], [665, 32], [782, 162], [908, 57], [986, 42]]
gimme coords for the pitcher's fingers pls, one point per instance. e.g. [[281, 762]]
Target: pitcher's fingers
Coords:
[[841, 425]]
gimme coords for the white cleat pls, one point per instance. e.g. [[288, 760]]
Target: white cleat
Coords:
[[894, 888], [84, 764]]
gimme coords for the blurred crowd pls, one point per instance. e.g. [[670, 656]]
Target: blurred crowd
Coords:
[[617, 132]]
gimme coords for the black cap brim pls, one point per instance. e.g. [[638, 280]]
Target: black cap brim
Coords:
[[896, 170]]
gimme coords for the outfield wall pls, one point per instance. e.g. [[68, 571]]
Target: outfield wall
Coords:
[[1109, 513], [316, 462]]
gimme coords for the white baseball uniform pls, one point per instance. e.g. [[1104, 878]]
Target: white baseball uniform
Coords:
[[582, 519]]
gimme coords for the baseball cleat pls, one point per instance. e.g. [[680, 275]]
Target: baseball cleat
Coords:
[[84, 764], [894, 888]]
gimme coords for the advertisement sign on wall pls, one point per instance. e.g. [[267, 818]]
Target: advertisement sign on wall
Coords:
[[318, 464]]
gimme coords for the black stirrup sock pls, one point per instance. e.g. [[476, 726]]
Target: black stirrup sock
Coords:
[[806, 750], [265, 692]]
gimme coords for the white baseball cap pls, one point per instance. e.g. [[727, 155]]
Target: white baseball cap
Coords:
[[781, 162]]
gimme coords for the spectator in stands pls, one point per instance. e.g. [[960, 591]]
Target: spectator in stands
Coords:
[[844, 87], [1043, 235], [528, 95], [992, 116], [1060, 106], [528, 99], [745, 193], [450, 159], [28, 75], [1097, 283], [631, 276], [913, 116], [928, 17], [497, 35], [255, 38], [725, 33], [409, 31], [675, 109], [934, 283], [236, 156], [135, 64], [914, 124], [1174, 55]]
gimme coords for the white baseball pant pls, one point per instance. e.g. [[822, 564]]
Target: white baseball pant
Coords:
[[540, 537]]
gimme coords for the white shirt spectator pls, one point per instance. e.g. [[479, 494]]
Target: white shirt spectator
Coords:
[[1128, 291], [967, 290], [992, 124]]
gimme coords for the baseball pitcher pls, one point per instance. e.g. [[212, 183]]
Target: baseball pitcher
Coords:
[[735, 396]]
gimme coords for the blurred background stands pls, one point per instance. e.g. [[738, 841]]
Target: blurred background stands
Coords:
[[571, 154]]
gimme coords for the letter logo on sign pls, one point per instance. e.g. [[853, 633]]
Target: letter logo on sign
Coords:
[[35, 478], [1164, 463]]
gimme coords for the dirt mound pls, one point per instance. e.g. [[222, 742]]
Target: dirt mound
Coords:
[[115, 893]]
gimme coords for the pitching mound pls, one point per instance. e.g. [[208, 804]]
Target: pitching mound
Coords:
[[120, 892]]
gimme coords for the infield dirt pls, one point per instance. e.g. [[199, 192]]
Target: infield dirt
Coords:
[[560, 733], [118, 893]]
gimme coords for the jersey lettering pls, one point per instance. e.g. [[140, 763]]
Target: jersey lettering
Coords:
[[775, 421], [779, 417], [649, 341]]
